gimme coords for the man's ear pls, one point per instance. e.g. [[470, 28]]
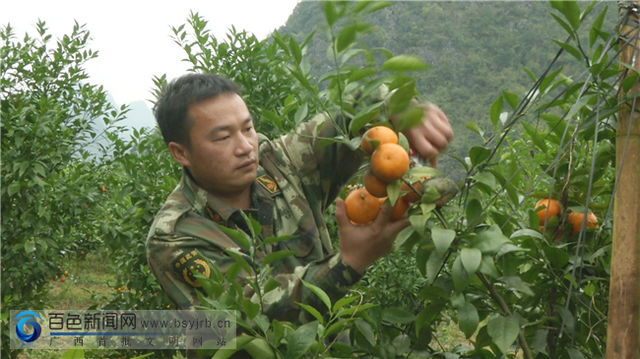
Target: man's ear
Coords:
[[181, 153]]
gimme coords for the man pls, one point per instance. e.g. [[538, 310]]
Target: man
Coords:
[[284, 184]]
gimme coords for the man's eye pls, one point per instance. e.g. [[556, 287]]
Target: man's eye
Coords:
[[248, 129], [222, 138]]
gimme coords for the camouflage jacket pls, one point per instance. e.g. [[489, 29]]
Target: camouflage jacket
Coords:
[[297, 180]]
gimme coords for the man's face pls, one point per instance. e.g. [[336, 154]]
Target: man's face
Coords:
[[223, 157]]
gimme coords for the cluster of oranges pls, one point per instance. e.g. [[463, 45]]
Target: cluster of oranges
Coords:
[[122, 289], [549, 208], [389, 163], [63, 276]]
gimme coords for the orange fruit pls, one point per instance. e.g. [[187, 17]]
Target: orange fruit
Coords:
[[375, 186], [362, 207], [56, 278], [412, 197], [389, 162], [377, 136], [576, 218], [66, 273], [401, 207], [63, 279], [549, 205]]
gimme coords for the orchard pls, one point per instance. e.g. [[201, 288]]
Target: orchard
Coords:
[[511, 242]]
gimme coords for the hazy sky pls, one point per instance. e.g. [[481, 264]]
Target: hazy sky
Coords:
[[133, 37]]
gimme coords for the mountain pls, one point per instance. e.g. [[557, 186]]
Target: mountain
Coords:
[[476, 49]]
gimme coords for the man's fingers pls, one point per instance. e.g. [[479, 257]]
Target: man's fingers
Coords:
[[384, 216], [341, 213], [444, 128], [433, 161]]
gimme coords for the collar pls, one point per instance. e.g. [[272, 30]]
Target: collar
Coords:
[[263, 189]]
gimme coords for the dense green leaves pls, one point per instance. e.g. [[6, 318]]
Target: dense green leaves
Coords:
[[503, 331]]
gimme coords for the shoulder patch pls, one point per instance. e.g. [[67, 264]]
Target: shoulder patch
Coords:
[[268, 183], [190, 263]]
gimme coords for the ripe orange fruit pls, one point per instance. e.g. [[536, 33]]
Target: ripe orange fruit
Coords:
[[412, 197], [56, 278], [549, 205], [400, 208], [362, 207], [378, 136], [66, 273], [63, 279], [374, 185], [576, 218], [389, 162]]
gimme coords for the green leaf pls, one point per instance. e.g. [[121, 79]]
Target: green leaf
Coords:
[[570, 49], [239, 343], [301, 113], [518, 284], [330, 13], [490, 240], [29, 246], [397, 316], [237, 235], [319, 292], [403, 236], [540, 341], [478, 155], [526, 232], [503, 331], [73, 354], [345, 38], [567, 317], [141, 356], [564, 25], [313, 311], [271, 285], [393, 191], [365, 328], [486, 178], [433, 265], [488, 267], [300, 341], [475, 128], [557, 257], [405, 63], [511, 98], [442, 239], [364, 116], [474, 212], [471, 259], [460, 275], [508, 248], [410, 118], [544, 84], [295, 50], [380, 5], [424, 171], [270, 240], [574, 354], [496, 110], [597, 26], [571, 11], [401, 98], [250, 308], [276, 256], [429, 314], [371, 86], [351, 310], [240, 260], [343, 302], [468, 319], [402, 343], [14, 188]]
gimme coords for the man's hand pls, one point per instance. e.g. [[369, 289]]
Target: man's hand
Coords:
[[432, 136], [362, 245]]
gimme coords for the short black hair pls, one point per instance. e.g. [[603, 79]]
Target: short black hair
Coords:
[[172, 108]]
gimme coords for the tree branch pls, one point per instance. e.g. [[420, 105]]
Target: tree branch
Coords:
[[505, 308]]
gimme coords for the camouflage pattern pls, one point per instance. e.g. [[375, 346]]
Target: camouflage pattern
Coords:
[[296, 181]]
